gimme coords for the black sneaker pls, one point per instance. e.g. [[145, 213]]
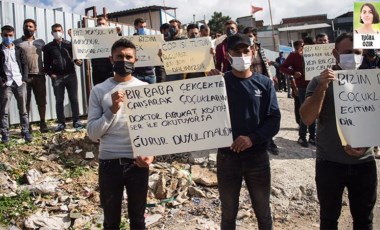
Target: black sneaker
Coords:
[[312, 141], [43, 127], [272, 148], [27, 136], [303, 142], [5, 137], [60, 127], [78, 125]]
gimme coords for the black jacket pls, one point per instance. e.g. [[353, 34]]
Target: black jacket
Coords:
[[21, 61], [58, 59]]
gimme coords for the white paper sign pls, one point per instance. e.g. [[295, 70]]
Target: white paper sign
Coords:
[[93, 42], [147, 47], [178, 116], [188, 56], [317, 58], [357, 106], [366, 41]]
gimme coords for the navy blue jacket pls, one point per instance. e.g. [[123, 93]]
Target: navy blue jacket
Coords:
[[253, 108]]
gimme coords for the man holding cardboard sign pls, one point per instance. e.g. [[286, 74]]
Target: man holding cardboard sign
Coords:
[[338, 166], [106, 121], [255, 119]]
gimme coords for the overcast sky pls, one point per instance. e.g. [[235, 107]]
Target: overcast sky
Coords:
[[205, 8]]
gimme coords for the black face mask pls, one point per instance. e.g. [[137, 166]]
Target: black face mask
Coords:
[[123, 68], [172, 31], [28, 33]]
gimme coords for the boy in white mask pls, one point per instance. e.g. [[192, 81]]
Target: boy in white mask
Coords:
[[337, 166], [255, 119]]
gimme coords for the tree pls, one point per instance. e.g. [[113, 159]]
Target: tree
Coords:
[[217, 21]]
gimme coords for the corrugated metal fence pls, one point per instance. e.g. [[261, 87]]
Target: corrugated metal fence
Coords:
[[14, 14]]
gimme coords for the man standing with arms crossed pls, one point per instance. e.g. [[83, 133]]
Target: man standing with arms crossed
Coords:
[[32, 48], [337, 166]]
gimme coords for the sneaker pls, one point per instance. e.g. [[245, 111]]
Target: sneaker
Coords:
[[312, 141], [60, 127], [272, 148], [303, 142], [27, 136], [78, 125], [43, 127], [5, 137]]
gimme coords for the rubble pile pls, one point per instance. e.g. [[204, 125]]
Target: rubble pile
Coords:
[[60, 173]]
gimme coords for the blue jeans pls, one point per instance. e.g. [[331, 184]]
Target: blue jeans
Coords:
[[113, 177], [361, 183], [150, 79], [174, 77], [304, 128], [70, 82], [6, 93], [255, 169]]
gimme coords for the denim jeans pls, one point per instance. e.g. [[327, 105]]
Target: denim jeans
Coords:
[[113, 177], [174, 77], [70, 82], [150, 79], [304, 128], [255, 169], [5, 96], [361, 183]]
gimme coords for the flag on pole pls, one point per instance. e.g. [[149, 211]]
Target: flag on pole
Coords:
[[254, 9]]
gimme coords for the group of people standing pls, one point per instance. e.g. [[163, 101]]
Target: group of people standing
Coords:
[[253, 108], [24, 63]]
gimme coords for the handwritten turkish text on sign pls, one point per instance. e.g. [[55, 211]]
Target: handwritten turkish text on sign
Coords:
[[147, 48], [178, 116], [93, 42], [317, 58], [187, 56], [357, 106]]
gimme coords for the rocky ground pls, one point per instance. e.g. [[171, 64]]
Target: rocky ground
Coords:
[[52, 184]]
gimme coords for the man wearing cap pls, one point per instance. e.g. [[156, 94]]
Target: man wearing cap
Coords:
[[255, 119]]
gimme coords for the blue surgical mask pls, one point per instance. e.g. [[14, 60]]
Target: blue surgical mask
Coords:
[[350, 61], [8, 40], [230, 32], [141, 31]]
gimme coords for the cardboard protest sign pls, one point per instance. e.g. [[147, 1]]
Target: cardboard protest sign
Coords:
[[147, 47], [366, 29], [357, 106], [93, 42], [317, 58], [187, 56], [178, 116]]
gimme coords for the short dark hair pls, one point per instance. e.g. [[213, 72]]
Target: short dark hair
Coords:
[[177, 21], [55, 26], [101, 18], [192, 26], [250, 29], [164, 27], [374, 12], [320, 35], [297, 43], [204, 27], [30, 20], [342, 37], [122, 42], [7, 28], [229, 22], [308, 40], [139, 20]]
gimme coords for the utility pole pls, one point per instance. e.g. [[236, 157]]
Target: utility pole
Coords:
[[271, 21]]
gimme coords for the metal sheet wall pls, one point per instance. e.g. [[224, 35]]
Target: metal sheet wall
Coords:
[[14, 14]]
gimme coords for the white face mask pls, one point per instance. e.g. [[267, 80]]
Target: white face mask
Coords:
[[57, 35], [241, 63], [350, 61]]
